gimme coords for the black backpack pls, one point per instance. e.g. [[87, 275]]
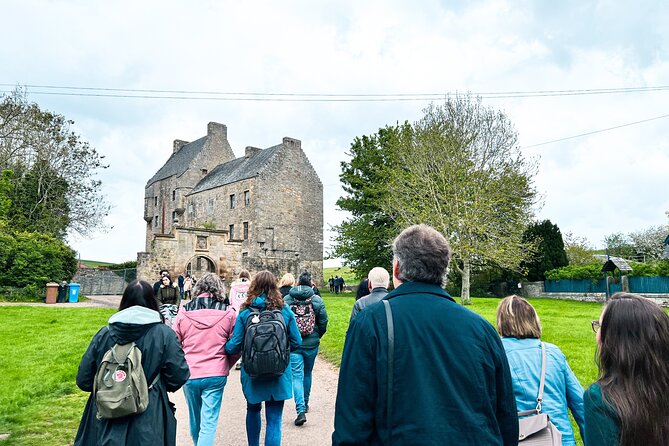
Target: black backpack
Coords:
[[266, 351]]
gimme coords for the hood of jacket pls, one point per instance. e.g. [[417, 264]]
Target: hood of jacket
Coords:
[[301, 292], [132, 323], [259, 302], [205, 318]]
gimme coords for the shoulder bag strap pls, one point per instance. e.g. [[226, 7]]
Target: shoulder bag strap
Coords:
[[543, 377], [391, 353]]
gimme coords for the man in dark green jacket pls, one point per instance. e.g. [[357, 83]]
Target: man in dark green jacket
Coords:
[[448, 380]]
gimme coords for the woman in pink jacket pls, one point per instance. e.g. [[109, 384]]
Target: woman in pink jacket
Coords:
[[203, 326]]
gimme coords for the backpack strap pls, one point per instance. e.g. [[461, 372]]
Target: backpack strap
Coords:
[[391, 353]]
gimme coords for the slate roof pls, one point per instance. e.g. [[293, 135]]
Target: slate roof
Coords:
[[236, 170], [179, 161]]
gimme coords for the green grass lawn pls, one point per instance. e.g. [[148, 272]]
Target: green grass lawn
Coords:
[[40, 403]]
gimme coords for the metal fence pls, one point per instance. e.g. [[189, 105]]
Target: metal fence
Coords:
[[637, 284]]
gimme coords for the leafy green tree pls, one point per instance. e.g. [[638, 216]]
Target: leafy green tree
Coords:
[[578, 249], [550, 252], [649, 243], [55, 186], [620, 245], [364, 240], [462, 172]]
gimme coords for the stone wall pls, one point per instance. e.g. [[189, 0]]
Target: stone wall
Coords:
[[96, 281], [536, 290]]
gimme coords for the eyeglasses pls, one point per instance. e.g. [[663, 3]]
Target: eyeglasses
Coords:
[[596, 326]]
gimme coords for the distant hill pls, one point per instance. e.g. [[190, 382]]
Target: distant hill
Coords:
[[93, 263]]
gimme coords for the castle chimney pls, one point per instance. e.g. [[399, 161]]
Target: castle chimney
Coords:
[[251, 152], [216, 129], [292, 142], [178, 144]]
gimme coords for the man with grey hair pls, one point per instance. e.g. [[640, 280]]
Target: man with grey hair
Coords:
[[419, 368], [377, 281]]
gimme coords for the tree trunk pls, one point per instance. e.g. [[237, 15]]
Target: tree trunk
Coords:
[[464, 296]]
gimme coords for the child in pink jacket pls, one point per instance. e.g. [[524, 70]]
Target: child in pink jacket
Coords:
[[203, 326], [238, 290]]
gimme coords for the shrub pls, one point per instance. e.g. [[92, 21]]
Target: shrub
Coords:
[[125, 265], [31, 258], [592, 271]]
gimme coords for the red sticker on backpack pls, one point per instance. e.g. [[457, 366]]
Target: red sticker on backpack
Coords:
[[119, 376]]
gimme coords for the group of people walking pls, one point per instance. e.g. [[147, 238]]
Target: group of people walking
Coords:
[[474, 385], [207, 337], [417, 368]]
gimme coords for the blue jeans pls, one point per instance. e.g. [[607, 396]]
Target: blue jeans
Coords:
[[273, 412], [203, 396], [302, 364]]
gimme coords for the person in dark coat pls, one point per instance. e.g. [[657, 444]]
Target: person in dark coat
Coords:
[[156, 285], [137, 320], [286, 283], [378, 280], [363, 289], [302, 359], [449, 377]]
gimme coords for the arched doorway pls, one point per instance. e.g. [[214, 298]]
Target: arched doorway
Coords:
[[199, 265]]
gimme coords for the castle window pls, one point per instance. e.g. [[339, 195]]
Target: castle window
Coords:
[[174, 216], [155, 201], [232, 232], [247, 198], [174, 195], [204, 171], [246, 230], [245, 254], [210, 206], [232, 201], [155, 221], [191, 209]]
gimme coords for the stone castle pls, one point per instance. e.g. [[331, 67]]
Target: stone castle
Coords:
[[207, 210]]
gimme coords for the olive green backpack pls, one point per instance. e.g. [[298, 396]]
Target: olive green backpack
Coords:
[[120, 387]]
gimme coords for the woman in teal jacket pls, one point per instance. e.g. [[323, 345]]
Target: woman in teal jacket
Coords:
[[629, 404], [264, 294], [520, 328]]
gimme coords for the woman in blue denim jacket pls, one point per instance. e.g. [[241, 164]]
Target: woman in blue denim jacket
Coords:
[[520, 328]]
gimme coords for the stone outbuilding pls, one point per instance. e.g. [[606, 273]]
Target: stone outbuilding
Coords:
[[208, 210]]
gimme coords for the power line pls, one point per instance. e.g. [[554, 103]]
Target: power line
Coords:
[[313, 97], [597, 131]]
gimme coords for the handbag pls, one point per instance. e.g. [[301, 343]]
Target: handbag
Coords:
[[536, 428]]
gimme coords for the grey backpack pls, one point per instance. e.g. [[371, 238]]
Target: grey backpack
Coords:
[[120, 387]]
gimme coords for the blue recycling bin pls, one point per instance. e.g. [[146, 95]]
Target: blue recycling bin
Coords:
[[74, 292]]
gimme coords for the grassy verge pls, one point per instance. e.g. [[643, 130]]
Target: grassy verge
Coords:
[[39, 400]]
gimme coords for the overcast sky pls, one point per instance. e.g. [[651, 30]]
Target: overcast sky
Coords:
[[613, 181]]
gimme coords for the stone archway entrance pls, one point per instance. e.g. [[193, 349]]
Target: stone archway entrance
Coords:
[[199, 265]]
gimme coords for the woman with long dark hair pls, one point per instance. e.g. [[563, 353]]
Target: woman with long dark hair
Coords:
[[629, 403], [263, 294], [138, 321]]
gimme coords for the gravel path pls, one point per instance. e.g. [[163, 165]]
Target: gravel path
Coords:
[[231, 424]]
